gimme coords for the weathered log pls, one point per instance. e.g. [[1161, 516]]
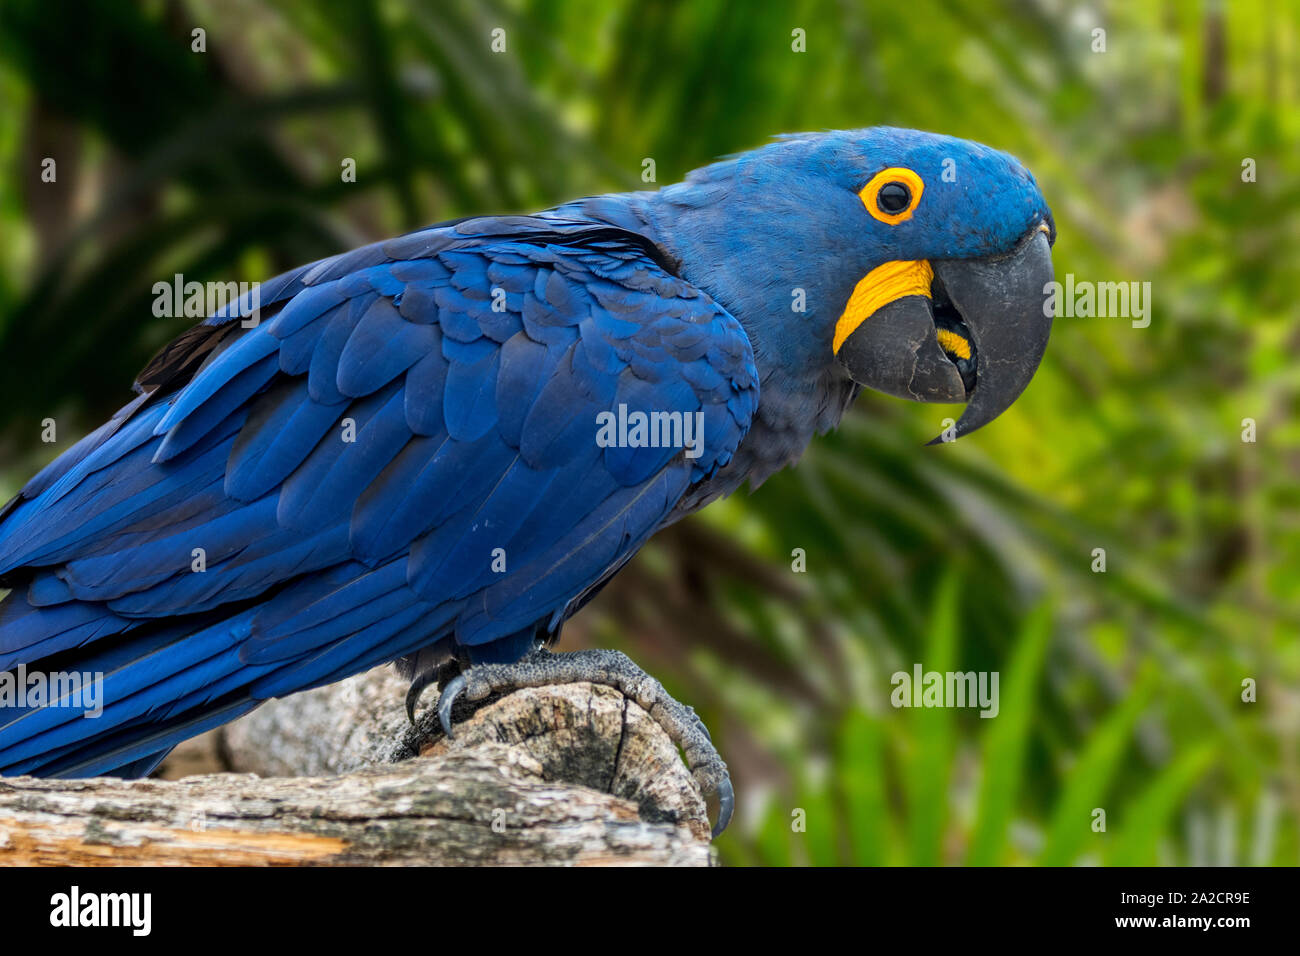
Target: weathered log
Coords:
[[335, 729], [556, 775]]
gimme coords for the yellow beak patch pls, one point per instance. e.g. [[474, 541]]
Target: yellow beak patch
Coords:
[[878, 288]]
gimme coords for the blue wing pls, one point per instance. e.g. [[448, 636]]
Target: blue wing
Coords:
[[402, 456]]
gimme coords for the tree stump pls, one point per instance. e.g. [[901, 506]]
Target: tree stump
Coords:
[[575, 774]]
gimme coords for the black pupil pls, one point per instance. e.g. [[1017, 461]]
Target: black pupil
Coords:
[[893, 197]]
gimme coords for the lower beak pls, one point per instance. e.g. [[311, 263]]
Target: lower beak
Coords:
[[978, 337]]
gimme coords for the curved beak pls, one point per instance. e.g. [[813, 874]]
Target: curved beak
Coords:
[[977, 337]]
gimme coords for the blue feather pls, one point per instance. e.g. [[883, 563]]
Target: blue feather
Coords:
[[381, 347], [282, 429], [468, 364], [326, 486]]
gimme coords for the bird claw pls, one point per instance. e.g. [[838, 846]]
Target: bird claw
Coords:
[[455, 687], [612, 668], [414, 692], [726, 804]]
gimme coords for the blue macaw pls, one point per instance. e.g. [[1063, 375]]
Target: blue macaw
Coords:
[[400, 460]]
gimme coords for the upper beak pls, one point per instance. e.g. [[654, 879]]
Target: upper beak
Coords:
[[989, 316]]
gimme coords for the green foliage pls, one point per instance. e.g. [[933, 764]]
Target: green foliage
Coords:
[[1120, 690], [1006, 743]]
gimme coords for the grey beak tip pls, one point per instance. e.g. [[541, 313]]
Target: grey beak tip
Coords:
[[1002, 303]]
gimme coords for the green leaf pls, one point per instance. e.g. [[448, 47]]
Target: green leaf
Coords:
[[1006, 740], [1089, 779], [821, 836], [931, 759], [1147, 817], [861, 780]]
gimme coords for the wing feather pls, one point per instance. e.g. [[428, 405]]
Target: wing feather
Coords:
[[402, 456]]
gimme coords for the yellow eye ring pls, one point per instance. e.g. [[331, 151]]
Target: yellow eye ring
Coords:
[[910, 181]]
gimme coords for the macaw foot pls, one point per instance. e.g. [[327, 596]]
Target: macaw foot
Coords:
[[616, 669]]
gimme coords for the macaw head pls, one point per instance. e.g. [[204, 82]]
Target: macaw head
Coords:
[[913, 262]]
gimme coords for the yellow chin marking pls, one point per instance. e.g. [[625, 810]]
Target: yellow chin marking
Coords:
[[953, 343], [878, 288]]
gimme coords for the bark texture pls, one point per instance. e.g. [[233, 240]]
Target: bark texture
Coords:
[[575, 774]]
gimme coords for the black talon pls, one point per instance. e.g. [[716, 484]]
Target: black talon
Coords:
[[726, 805], [455, 687], [413, 693]]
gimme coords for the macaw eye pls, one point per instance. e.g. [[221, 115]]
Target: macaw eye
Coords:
[[893, 194], [893, 198]]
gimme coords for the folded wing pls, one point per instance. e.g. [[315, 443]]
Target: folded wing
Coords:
[[402, 454]]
